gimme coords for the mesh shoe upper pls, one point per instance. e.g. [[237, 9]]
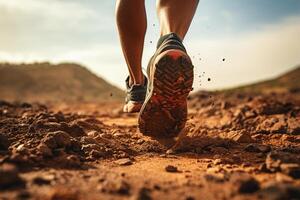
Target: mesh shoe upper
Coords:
[[136, 93]]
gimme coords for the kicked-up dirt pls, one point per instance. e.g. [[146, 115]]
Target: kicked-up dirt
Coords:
[[237, 146]]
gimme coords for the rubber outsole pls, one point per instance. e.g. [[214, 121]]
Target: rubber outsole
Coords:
[[132, 107], [164, 112]]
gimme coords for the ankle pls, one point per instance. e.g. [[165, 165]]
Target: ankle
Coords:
[[138, 81]]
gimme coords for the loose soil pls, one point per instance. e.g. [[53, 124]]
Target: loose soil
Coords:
[[240, 146]]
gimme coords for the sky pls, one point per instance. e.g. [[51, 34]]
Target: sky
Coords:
[[258, 39]]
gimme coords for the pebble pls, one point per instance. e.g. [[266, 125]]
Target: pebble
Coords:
[[97, 154], [20, 148], [123, 161], [44, 150], [280, 177], [116, 186], [264, 148], [92, 134], [88, 140], [257, 148], [57, 139], [276, 158], [171, 168], [217, 178], [89, 147], [291, 169], [244, 183], [238, 136], [24, 194], [276, 191], [144, 194], [73, 161], [40, 180], [10, 177]]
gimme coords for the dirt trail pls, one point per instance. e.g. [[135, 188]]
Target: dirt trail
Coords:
[[237, 147]]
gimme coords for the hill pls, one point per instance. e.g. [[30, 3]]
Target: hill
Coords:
[[288, 82], [45, 82]]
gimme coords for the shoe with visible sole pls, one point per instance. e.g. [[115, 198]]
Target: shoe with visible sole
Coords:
[[170, 74], [135, 96]]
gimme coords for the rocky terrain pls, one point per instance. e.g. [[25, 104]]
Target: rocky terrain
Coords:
[[245, 145]]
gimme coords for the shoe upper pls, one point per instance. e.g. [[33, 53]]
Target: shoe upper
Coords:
[[136, 93], [169, 41]]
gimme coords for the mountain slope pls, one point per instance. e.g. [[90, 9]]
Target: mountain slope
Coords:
[[289, 81], [45, 82]]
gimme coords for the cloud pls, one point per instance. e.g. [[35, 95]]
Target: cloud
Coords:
[[49, 8], [53, 25], [250, 57]]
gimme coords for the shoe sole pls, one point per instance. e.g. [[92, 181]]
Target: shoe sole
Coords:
[[164, 112], [132, 107]]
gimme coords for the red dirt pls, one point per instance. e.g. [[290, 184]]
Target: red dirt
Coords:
[[237, 147]]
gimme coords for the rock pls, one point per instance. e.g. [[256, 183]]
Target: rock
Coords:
[[97, 154], [144, 194], [40, 180], [276, 124], [59, 116], [93, 134], [291, 169], [23, 194], [50, 126], [88, 140], [260, 155], [275, 158], [75, 145], [20, 158], [123, 161], [215, 150], [58, 139], [20, 151], [279, 191], [73, 161], [280, 177], [190, 198], [217, 178], [4, 143], [44, 150], [263, 168], [118, 134], [251, 148], [74, 130], [20, 148], [140, 141], [244, 183], [294, 125], [273, 107], [171, 151], [290, 138], [213, 170], [171, 168], [257, 148], [264, 148], [219, 161], [88, 148], [115, 186], [237, 136], [10, 177]]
